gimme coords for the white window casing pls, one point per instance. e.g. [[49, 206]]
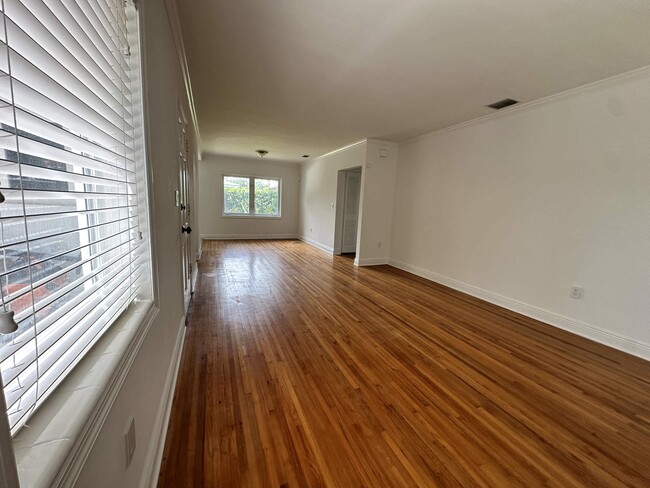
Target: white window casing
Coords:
[[263, 196], [74, 245]]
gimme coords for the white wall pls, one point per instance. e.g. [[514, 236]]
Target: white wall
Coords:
[[318, 185], [519, 207], [143, 391], [318, 198], [377, 195], [214, 226]]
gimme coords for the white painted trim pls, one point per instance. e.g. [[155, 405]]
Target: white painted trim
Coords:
[[370, 261], [187, 296], [175, 26], [540, 101], [589, 331], [199, 253], [195, 275], [317, 244], [230, 157], [157, 443], [75, 459], [341, 149], [234, 237], [146, 129], [8, 471], [383, 141]]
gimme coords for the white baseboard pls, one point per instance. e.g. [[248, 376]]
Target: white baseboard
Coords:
[[157, 444], [317, 244], [631, 346], [228, 237], [370, 261], [195, 275]]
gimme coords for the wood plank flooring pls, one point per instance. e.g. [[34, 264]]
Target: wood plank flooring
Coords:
[[301, 370]]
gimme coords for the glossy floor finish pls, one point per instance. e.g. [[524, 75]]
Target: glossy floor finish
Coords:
[[301, 370]]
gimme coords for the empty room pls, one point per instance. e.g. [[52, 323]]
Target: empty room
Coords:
[[300, 243]]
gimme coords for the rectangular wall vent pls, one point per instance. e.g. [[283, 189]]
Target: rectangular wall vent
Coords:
[[506, 102]]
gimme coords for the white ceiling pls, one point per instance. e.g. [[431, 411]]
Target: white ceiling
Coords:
[[308, 76]]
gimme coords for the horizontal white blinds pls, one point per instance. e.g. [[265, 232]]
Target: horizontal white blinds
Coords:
[[71, 250]]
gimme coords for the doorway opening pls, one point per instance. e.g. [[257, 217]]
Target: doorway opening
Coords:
[[348, 198]]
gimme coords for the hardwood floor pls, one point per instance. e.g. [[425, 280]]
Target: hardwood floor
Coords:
[[301, 370]]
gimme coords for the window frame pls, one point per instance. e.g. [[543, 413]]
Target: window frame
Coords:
[[121, 293], [251, 198], [121, 342]]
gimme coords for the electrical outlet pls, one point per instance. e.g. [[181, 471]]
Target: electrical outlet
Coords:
[[576, 292], [379, 244], [129, 441]]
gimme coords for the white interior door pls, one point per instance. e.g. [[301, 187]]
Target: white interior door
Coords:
[[351, 211], [184, 207]]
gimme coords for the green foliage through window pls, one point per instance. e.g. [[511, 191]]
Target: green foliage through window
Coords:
[[251, 196]]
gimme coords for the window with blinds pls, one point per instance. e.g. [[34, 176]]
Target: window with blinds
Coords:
[[73, 233]]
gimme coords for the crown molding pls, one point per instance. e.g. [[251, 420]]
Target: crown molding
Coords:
[[383, 142], [520, 107], [340, 149], [216, 157]]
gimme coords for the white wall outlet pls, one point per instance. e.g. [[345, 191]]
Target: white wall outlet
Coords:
[[576, 292], [383, 153], [129, 441]]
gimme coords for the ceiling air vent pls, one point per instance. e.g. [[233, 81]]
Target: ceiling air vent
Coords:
[[506, 102]]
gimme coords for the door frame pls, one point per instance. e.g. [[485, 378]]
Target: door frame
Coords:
[[183, 204], [340, 208]]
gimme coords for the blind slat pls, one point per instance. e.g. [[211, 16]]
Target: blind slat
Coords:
[[55, 175], [65, 233], [65, 28], [88, 314], [42, 149], [73, 17], [63, 47], [62, 254], [23, 337], [91, 31], [89, 301], [62, 90]]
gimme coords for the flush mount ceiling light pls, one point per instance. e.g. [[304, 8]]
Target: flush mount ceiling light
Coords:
[[506, 102], [262, 152], [305, 155]]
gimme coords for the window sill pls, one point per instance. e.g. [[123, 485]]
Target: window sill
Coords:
[[51, 448], [243, 216]]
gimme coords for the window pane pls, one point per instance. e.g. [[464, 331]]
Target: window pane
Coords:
[[236, 195], [267, 197]]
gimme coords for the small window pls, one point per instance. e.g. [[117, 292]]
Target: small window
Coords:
[[250, 196]]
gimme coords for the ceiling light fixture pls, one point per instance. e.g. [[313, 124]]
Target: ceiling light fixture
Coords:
[[262, 152], [305, 155]]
